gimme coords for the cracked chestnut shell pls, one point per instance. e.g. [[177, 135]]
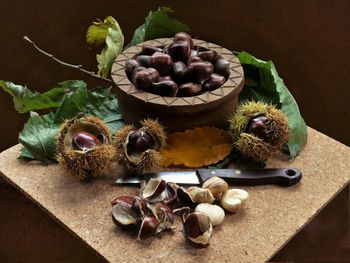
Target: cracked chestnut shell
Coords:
[[197, 229]]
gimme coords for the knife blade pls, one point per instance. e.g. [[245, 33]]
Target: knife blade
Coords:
[[279, 176]]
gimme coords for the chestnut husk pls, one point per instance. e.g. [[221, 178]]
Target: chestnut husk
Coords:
[[200, 71], [189, 89], [215, 81], [144, 79], [166, 88]]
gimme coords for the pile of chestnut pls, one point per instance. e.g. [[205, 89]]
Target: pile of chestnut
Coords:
[[179, 69]]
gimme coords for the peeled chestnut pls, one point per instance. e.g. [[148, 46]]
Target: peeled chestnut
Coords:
[[144, 79], [179, 50], [161, 62], [180, 72], [189, 89], [165, 88], [150, 50], [140, 141], [144, 60], [182, 36], [130, 66], [215, 81], [222, 67], [209, 55], [200, 71], [84, 141]]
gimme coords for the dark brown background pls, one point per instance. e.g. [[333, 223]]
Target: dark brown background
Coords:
[[309, 42]]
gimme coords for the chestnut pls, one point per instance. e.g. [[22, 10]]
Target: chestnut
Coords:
[[179, 50], [200, 71], [197, 229], [167, 77], [189, 89], [222, 67], [161, 62], [144, 79], [140, 141], [214, 82], [144, 60], [180, 72], [149, 50], [148, 227], [84, 141], [193, 59], [165, 88], [182, 36], [209, 55], [130, 66], [258, 127]]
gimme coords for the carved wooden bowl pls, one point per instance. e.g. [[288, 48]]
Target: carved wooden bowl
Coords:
[[211, 108]]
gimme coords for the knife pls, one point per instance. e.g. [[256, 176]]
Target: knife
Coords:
[[279, 176]]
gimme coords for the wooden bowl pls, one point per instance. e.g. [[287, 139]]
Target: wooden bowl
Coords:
[[178, 113]]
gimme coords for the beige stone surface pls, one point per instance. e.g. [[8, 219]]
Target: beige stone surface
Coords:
[[272, 216]]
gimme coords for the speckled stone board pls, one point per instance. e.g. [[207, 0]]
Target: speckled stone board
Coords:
[[273, 214]]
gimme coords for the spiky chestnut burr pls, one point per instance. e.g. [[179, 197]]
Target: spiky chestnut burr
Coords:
[[85, 150], [138, 148], [258, 130]]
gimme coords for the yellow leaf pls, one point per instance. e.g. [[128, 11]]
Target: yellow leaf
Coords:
[[197, 147]]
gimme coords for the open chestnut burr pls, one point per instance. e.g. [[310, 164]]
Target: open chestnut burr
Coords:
[[188, 107]]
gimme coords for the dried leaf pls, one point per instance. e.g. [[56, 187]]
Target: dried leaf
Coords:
[[197, 147]]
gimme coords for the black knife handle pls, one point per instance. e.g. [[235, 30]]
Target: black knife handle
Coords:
[[279, 176]]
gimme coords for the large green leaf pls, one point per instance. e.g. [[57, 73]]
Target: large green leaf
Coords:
[[26, 100], [38, 135], [38, 138], [109, 32], [263, 83], [157, 24]]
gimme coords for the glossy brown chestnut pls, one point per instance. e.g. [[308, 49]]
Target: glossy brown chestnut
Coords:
[[130, 66], [193, 59], [84, 141], [179, 50], [161, 62], [144, 79], [166, 88], [144, 60], [189, 89], [258, 126], [180, 72], [148, 227], [209, 55], [140, 141], [165, 78], [182, 36], [200, 71], [215, 81], [149, 50], [222, 67]]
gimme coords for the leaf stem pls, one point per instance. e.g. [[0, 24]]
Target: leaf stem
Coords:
[[78, 67]]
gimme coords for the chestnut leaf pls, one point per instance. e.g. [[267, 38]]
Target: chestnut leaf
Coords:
[[262, 83], [157, 24], [25, 100], [107, 31], [38, 135]]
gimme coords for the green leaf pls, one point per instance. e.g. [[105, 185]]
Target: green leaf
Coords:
[[38, 138], [100, 102], [157, 24], [26, 100], [26, 155], [109, 32], [262, 82]]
